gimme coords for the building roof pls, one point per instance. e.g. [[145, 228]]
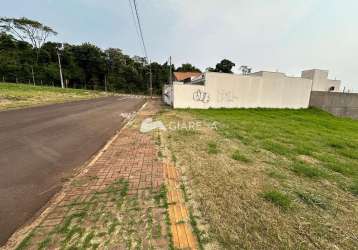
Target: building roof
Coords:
[[181, 76]]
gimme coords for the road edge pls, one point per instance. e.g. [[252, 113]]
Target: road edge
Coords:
[[20, 234]]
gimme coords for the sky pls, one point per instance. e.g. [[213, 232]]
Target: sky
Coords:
[[276, 35]]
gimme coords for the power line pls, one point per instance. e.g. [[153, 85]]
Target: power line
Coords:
[[135, 23], [144, 47], [140, 28]]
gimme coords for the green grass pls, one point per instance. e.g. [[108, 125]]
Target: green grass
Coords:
[[301, 161], [331, 141], [277, 174], [24, 95], [240, 157], [312, 199], [354, 187], [99, 224], [307, 170], [213, 148], [278, 198], [26, 241]]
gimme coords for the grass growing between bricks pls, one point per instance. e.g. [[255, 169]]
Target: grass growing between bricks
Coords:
[[110, 218], [269, 179]]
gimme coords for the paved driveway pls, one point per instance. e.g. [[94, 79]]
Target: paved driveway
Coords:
[[41, 146]]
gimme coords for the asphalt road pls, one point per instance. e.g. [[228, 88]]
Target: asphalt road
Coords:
[[40, 146]]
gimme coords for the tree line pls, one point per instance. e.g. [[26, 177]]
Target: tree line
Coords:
[[84, 66], [26, 56]]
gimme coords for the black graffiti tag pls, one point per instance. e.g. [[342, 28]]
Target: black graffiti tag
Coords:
[[200, 96]]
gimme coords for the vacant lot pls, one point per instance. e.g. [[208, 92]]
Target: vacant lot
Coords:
[[268, 179], [23, 95]]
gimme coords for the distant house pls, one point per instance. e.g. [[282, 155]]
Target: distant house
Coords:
[[185, 76]]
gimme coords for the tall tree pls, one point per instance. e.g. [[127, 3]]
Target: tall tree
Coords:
[[92, 60], [83, 66], [27, 30]]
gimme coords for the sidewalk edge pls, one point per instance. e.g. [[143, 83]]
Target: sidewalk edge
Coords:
[[20, 234]]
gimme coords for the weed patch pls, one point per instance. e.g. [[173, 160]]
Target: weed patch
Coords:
[[118, 220], [278, 198], [277, 174], [312, 200], [276, 148], [213, 148], [237, 156], [306, 170], [354, 188]]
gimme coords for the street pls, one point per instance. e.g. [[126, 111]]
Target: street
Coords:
[[41, 146]]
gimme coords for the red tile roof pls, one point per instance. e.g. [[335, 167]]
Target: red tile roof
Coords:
[[181, 76]]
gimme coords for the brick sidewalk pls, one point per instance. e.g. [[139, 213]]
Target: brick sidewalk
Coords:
[[118, 202]]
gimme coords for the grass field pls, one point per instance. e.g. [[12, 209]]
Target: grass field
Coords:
[[268, 179], [24, 95]]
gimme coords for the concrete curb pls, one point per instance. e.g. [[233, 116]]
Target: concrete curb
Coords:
[[20, 234]]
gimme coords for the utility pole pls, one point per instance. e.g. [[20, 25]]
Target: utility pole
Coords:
[[33, 75], [170, 71], [105, 83], [59, 64], [150, 80]]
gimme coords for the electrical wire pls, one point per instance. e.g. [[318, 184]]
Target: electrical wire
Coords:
[[135, 24], [140, 28]]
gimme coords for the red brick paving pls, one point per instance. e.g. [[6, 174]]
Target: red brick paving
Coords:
[[131, 156]]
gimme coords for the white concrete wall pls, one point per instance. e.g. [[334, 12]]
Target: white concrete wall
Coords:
[[184, 96], [263, 89], [320, 80]]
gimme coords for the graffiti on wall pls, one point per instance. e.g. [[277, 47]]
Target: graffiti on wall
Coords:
[[201, 96], [168, 94], [226, 96]]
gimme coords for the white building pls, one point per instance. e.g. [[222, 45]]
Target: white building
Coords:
[[257, 90], [321, 81]]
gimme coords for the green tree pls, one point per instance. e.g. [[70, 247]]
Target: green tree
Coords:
[[27, 30], [84, 66], [225, 66], [187, 67], [92, 61]]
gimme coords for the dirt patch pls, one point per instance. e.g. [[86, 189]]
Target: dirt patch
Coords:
[[307, 159], [4, 101]]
